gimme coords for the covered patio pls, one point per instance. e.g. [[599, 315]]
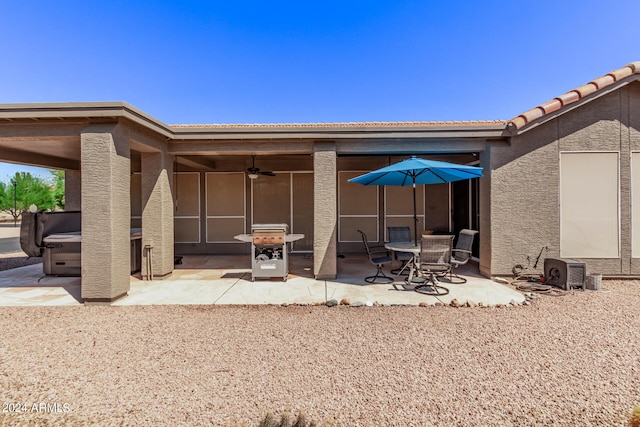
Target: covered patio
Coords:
[[188, 189], [226, 280]]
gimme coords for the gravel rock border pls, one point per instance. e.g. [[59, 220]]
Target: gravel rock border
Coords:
[[571, 360]]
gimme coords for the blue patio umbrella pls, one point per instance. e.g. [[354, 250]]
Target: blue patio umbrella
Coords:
[[414, 171]]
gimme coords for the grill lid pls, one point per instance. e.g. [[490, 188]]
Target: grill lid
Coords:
[[282, 227]]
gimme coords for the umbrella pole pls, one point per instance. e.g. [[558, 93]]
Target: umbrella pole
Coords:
[[415, 215]]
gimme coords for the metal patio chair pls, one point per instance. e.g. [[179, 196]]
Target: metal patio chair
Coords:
[[435, 262], [378, 256], [461, 254], [400, 234]]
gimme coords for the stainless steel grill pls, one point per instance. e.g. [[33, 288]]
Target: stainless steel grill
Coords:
[[269, 251], [269, 256]]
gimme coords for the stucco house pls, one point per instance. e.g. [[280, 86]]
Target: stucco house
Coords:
[[564, 175]]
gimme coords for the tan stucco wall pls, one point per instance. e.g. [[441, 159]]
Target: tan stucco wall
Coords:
[[523, 199], [157, 215], [325, 211], [485, 211], [524, 181], [632, 129], [105, 213]]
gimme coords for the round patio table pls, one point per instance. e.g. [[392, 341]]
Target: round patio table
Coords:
[[409, 247]]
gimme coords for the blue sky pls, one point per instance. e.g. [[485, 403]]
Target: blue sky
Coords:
[[311, 61]]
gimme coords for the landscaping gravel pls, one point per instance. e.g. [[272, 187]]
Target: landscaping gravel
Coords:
[[18, 259], [571, 360]]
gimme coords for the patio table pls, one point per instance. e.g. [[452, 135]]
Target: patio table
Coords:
[[413, 263]]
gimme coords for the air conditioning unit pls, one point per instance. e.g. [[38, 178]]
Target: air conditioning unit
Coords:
[[564, 273]]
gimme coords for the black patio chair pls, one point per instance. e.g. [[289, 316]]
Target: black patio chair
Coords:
[[378, 256]]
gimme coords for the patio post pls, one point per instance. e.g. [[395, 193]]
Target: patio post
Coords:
[[157, 214], [106, 213], [325, 210]]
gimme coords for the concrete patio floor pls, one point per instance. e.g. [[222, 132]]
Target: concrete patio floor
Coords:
[[226, 279]]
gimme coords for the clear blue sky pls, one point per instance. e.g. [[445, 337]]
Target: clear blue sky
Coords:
[[311, 61]]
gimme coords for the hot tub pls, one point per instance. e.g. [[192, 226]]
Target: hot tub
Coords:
[[61, 255]]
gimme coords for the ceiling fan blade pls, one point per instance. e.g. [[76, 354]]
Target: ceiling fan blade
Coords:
[[253, 170]]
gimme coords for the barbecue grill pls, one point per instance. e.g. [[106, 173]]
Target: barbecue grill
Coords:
[[269, 257]]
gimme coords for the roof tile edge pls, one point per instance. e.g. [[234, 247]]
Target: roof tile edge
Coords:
[[573, 96], [339, 125]]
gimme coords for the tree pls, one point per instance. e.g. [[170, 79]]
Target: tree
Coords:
[[24, 190], [57, 176]]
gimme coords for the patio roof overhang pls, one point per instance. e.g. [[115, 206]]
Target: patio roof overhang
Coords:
[[94, 112], [52, 130], [112, 111], [349, 138], [48, 134]]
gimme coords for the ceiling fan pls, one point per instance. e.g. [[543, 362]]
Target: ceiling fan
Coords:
[[253, 172]]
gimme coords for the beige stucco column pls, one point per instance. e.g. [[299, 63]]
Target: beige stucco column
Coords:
[[72, 190], [486, 229], [325, 210], [106, 213], [157, 215]]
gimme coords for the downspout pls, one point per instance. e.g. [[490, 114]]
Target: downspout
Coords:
[[149, 251]]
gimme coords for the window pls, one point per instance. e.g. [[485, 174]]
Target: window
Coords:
[[357, 209], [589, 205], [187, 207], [226, 196], [286, 198], [136, 200], [398, 207], [635, 205]]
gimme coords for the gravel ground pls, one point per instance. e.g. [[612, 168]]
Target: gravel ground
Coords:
[[11, 260], [15, 260], [571, 360]]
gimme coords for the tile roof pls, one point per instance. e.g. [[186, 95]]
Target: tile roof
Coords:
[[514, 124], [574, 95], [344, 125]]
